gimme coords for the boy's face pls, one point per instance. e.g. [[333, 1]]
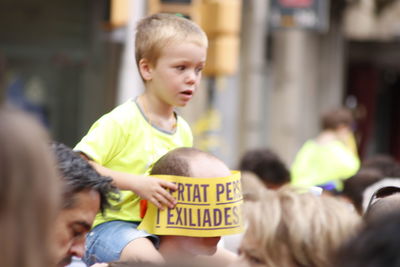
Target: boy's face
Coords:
[[176, 76]]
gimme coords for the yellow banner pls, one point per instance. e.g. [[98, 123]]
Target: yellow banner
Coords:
[[206, 207]]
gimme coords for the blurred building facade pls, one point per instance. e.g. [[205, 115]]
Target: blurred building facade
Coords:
[[71, 61]]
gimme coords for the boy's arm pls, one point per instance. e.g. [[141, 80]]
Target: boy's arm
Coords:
[[150, 188]]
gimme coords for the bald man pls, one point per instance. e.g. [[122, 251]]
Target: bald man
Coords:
[[191, 162]]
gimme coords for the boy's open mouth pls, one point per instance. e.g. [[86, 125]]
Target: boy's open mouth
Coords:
[[187, 92]]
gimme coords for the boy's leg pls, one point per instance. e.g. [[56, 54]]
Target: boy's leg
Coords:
[[106, 241], [141, 250]]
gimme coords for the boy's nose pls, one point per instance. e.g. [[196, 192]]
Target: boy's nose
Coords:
[[191, 77]]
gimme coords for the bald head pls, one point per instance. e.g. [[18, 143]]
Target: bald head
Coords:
[[190, 162]]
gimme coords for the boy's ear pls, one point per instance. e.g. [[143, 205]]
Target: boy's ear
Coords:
[[145, 69]]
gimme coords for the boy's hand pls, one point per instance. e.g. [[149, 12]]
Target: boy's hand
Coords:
[[155, 191], [149, 188]]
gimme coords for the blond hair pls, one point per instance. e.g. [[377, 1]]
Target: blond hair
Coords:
[[252, 187], [290, 229], [154, 32], [29, 191]]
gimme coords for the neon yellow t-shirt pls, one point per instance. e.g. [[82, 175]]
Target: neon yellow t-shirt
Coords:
[[123, 140], [317, 164]]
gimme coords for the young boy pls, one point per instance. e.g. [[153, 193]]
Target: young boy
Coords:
[[170, 54]]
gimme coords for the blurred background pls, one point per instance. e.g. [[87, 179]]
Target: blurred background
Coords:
[[273, 68]]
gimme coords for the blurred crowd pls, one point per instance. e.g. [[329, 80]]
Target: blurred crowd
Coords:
[[51, 196], [91, 202]]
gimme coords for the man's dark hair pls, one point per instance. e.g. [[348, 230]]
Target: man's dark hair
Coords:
[[266, 165], [78, 175], [355, 186], [377, 245]]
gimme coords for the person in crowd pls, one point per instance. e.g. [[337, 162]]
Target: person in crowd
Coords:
[[373, 170], [384, 204], [191, 162], [286, 228], [84, 193], [355, 186], [267, 165], [377, 245], [331, 157], [378, 190], [170, 55], [29, 190]]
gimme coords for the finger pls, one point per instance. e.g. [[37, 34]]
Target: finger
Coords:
[[156, 203], [171, 201], [168, 185], [164, 201]]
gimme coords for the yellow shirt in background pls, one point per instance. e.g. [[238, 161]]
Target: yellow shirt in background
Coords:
[[318, 164]]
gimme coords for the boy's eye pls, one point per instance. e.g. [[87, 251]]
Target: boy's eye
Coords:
[[198, 70], [180, 67]]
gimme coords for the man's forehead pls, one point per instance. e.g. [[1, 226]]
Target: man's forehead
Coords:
[[84, 203]]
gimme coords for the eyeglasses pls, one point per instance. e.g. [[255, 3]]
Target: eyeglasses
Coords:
[[381, 193]]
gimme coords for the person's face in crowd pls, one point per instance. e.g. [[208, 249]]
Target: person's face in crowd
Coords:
[[73, 224]]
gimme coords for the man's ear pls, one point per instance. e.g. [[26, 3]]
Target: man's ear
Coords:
[[145, 69]]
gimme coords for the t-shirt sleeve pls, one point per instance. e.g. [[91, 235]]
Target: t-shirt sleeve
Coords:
[[103, 141]]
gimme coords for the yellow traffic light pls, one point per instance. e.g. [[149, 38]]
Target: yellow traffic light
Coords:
[[189, 8], [220, 16], [116, 13], [119, 12], [223, 55], [221, 20]]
